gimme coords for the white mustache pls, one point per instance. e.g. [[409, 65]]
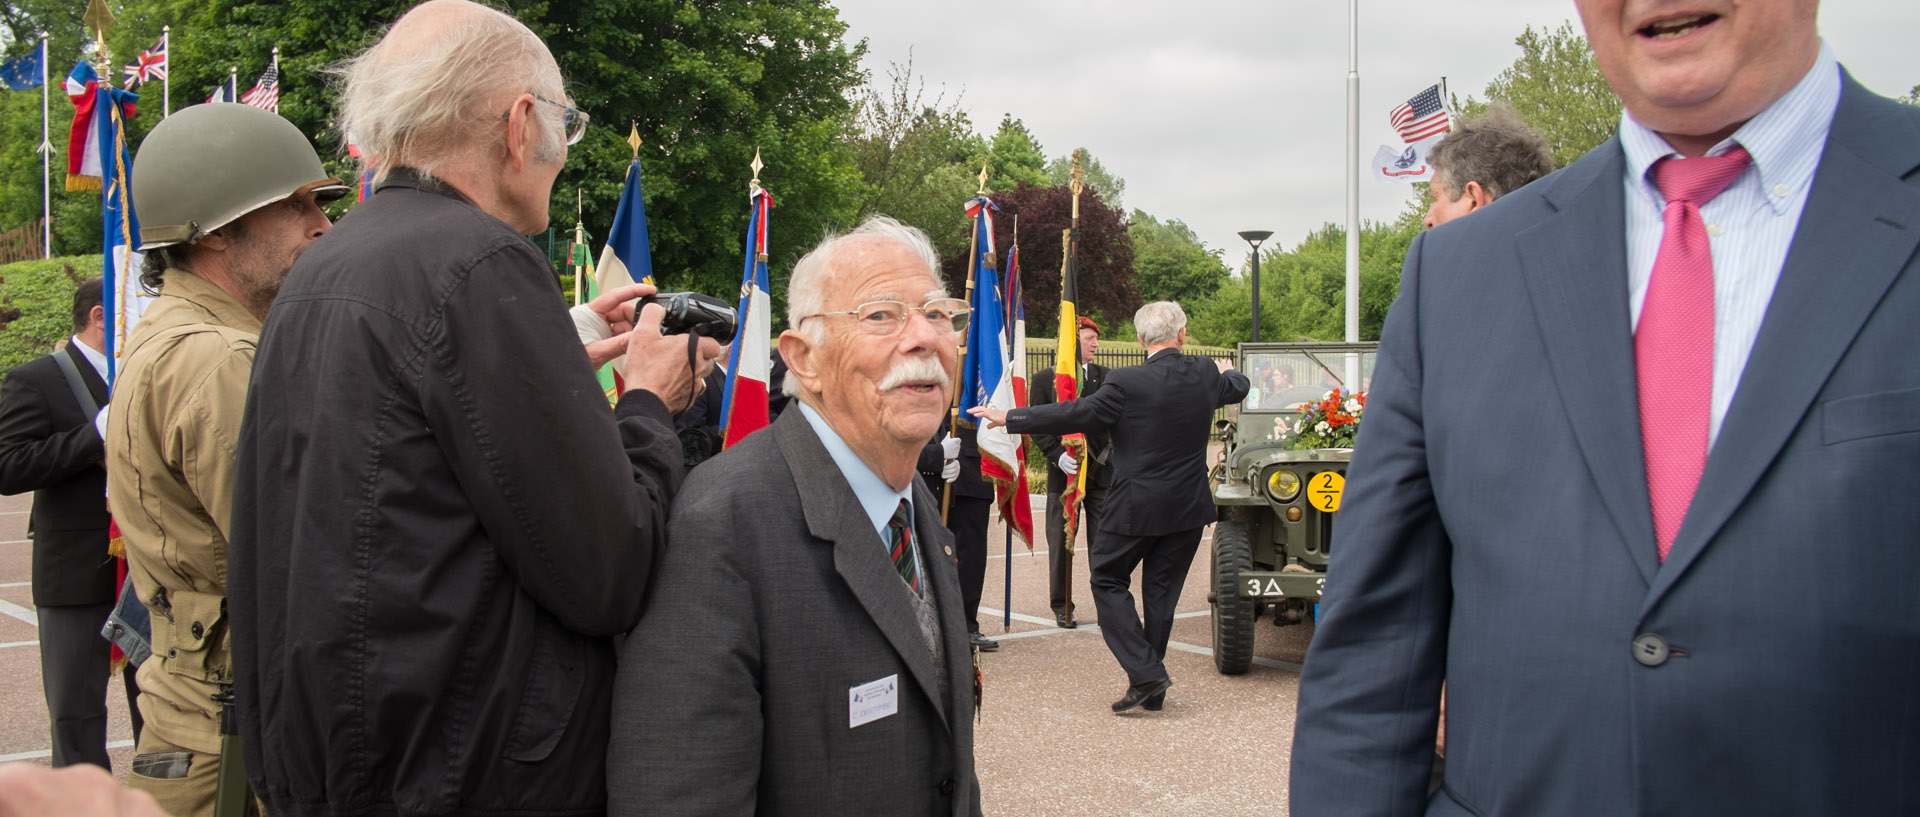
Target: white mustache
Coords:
[[915, 370]]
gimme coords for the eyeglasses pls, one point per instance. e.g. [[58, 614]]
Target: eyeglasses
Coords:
[[889, 317], [572, 120]]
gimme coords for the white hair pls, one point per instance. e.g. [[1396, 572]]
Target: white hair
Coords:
[[806, 288], [1159, 323], [418, 97]]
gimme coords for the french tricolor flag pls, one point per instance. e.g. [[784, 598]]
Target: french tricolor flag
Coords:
[[91, 130], [744, 409]]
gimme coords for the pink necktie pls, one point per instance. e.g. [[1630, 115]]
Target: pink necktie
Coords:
[[1673, 346]]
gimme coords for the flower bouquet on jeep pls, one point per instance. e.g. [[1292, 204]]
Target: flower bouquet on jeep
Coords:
[[1330, 422]]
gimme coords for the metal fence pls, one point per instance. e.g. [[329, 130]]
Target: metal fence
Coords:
[[1041, 360]]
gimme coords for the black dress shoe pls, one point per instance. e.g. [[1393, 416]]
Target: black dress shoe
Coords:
[[1154, 703], [982, 643], [1065, 621], [1139, 693]]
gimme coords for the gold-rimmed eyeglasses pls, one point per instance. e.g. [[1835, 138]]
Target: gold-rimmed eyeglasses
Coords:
[[888, 317]]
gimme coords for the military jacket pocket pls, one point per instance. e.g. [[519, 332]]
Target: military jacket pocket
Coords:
[[195, 643]]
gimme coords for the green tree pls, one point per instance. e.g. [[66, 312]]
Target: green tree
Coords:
[[1170, 262], [1111, 188], [1015, 157], [918, 159], [1303, 288], [1913, 96], [705, 83], [1557, 87]]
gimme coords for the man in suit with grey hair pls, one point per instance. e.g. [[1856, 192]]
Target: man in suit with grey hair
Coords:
[[803, 650], [1637, 469]]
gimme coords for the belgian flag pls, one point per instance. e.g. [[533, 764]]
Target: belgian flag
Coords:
[[1066, 382]]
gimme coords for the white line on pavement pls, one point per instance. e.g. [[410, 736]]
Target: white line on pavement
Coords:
[[6, 644], [25, 614], [13, 513], [45, 753], [14, 584], [16, 542]]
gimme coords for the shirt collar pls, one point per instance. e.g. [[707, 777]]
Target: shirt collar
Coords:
[[1785, 140], [183, 284], [98, 359], [876, 497]]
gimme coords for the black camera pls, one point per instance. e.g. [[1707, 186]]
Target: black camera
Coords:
[[691, 313]]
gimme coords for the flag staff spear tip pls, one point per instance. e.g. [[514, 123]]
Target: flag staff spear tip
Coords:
[[633, 138], [756, 164], [983, 177]]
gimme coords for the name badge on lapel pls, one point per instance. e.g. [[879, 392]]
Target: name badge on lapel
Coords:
[[872, 701]]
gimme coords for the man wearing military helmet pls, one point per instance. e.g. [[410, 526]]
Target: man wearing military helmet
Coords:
[[228, 196]]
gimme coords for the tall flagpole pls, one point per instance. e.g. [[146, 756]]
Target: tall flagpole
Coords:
[[1353, 170], [233, 83], [166, 80], [960, 359], [46, 161]]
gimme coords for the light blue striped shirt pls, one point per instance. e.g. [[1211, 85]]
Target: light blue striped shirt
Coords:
[[1749, 226]]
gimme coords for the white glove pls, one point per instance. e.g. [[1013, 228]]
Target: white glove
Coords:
[[950, 447], [950, 471], [1069, 465]]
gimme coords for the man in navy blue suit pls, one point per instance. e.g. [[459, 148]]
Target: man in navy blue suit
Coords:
[[1636, 475]]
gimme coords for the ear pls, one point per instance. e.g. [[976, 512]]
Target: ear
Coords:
[[97, 316], [797, 350], [519, 131], [1478, 194], [216, 242]]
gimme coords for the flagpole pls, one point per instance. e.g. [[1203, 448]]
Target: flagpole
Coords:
[[166, 80], [1013, 306], [46, 161], [233, 83], [1353, 171], [959, 360]]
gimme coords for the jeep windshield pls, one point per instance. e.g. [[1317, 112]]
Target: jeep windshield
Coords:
[[1282, 380]]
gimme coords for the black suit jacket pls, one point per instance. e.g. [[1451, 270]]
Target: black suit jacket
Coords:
[[1041, 393], [48, 446], [1159, 415]]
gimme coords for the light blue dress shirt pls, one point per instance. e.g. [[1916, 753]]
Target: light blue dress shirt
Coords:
[[1750, 226], [876, 497]]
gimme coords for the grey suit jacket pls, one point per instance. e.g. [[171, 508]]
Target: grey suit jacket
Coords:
[[1497, 531], [776, 597]]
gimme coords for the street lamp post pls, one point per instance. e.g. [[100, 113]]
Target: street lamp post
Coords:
[[1254, 237]]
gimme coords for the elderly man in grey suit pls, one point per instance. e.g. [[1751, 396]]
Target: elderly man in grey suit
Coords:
[[803, 651], [1637, 471]]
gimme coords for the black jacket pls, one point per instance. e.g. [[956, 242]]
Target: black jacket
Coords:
[[933, 459], [1160, 414], [438, 526], [1041, 392], [48, 446]]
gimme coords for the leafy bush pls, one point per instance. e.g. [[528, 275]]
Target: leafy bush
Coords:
[[36, 305]]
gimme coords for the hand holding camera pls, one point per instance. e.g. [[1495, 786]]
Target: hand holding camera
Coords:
[[673, 367]]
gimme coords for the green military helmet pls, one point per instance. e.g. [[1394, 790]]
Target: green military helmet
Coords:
[[208, 165]]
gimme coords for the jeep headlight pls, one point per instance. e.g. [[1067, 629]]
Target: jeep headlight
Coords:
[[1283, 486]]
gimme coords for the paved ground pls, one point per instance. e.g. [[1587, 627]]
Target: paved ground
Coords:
[[1048, 744]]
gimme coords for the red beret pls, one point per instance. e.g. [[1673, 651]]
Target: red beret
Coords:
[[1087, 323]]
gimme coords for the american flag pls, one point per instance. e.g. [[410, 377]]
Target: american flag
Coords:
[[265, 94], [1422, 117], [149, 66]]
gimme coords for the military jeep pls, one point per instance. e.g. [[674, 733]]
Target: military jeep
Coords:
[[1277, 506]]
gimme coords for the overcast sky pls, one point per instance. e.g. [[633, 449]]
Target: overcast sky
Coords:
[[1231, 114]]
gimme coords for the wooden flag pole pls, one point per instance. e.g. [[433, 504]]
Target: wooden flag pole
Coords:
[[959, 360]]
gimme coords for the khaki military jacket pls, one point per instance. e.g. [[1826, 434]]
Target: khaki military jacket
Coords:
[[178, 400]]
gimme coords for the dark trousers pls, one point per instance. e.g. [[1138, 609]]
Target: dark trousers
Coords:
[[967, 519], [74, 667], [1166, 559], [1059, 559]]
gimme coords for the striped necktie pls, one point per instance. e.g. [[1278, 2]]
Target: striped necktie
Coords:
[[900, 545]]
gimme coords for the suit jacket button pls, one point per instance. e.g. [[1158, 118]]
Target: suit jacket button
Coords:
[[946, 787], [1650, 650], [198, 631]]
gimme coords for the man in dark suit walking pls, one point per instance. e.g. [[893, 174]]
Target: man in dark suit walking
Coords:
[[1637, 468], [50, 444], [803, 649], [1159, 415], [1061, 467]]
